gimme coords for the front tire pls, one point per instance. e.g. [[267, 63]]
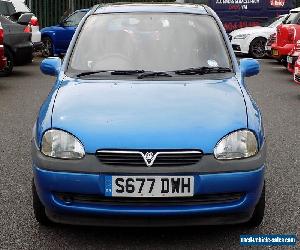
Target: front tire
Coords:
[[47, 49], [10, 63], [257, 48], [259, 211], [38, 208]]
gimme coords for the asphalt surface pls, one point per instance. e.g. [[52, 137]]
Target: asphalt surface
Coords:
[[20, 98]]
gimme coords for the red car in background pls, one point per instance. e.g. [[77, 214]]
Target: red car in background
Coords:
[[293, 56], [287, 33], [2, 57]]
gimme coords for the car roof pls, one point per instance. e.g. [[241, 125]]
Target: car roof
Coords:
[[150, 7], [295, 10], [82, 10]]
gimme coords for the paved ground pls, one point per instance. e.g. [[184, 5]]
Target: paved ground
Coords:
[[20, 98]]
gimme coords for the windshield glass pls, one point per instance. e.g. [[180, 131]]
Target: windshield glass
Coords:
[[148, 41], [274, 22], [6, 8], [21, 7], [290, 18]]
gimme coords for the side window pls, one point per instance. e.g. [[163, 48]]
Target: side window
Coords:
[[296, 19], [74, 19]]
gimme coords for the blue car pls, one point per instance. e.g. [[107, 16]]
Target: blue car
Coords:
[[149, 123], [56, 39]]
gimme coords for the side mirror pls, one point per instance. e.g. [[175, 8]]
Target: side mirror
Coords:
[[51, 66], [249, 67]]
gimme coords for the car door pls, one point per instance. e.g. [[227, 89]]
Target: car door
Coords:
[[68, 26]]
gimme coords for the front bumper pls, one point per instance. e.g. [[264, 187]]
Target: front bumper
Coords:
[[83, 182], [291, 60], [23, 52], [280, 52], [116, 213], [240, 46]]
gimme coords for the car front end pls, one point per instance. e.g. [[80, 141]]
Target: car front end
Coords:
[[285, 41], [293, 57], [297, 71], [281, 52], [240, 43], [209, 191], [158, 144]]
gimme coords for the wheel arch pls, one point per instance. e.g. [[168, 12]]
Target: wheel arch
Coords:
[[258, 37]]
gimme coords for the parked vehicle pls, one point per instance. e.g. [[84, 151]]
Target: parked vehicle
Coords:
[[297, 71], [286, 36], [144, 119], [293, 56], [2, 57], [239, 14], [18, 47], [252, 40], [17, 11], [56, 39]]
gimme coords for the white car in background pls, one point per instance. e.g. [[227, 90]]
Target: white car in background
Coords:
[[252, 40], [14, 10]]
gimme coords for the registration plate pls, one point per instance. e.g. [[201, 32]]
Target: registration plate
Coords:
[[275, 52], [149, 186], [289, 59]]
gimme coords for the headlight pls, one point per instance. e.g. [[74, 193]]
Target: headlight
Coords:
[[237, 145], [241, 36], [60, 144]]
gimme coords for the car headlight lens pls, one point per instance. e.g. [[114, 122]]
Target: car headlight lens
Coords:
[[237, 145], [62, 145], [241, 36]]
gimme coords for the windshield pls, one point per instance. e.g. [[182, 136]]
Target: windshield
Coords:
[[21, 7], [274, 22], [290, 18], [6, 8], [148, 41]]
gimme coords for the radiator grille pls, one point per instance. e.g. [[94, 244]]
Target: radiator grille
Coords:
[[149, 158]]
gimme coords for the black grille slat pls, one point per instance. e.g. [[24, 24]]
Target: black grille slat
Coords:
[[135, 159], [196, 199]]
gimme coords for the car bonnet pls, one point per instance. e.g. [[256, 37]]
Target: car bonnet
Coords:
[[149, 114]]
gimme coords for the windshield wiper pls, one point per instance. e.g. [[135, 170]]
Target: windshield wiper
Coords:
[[91, 73], [127, 72], [202, 70], [153, 74], [113, 72]]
